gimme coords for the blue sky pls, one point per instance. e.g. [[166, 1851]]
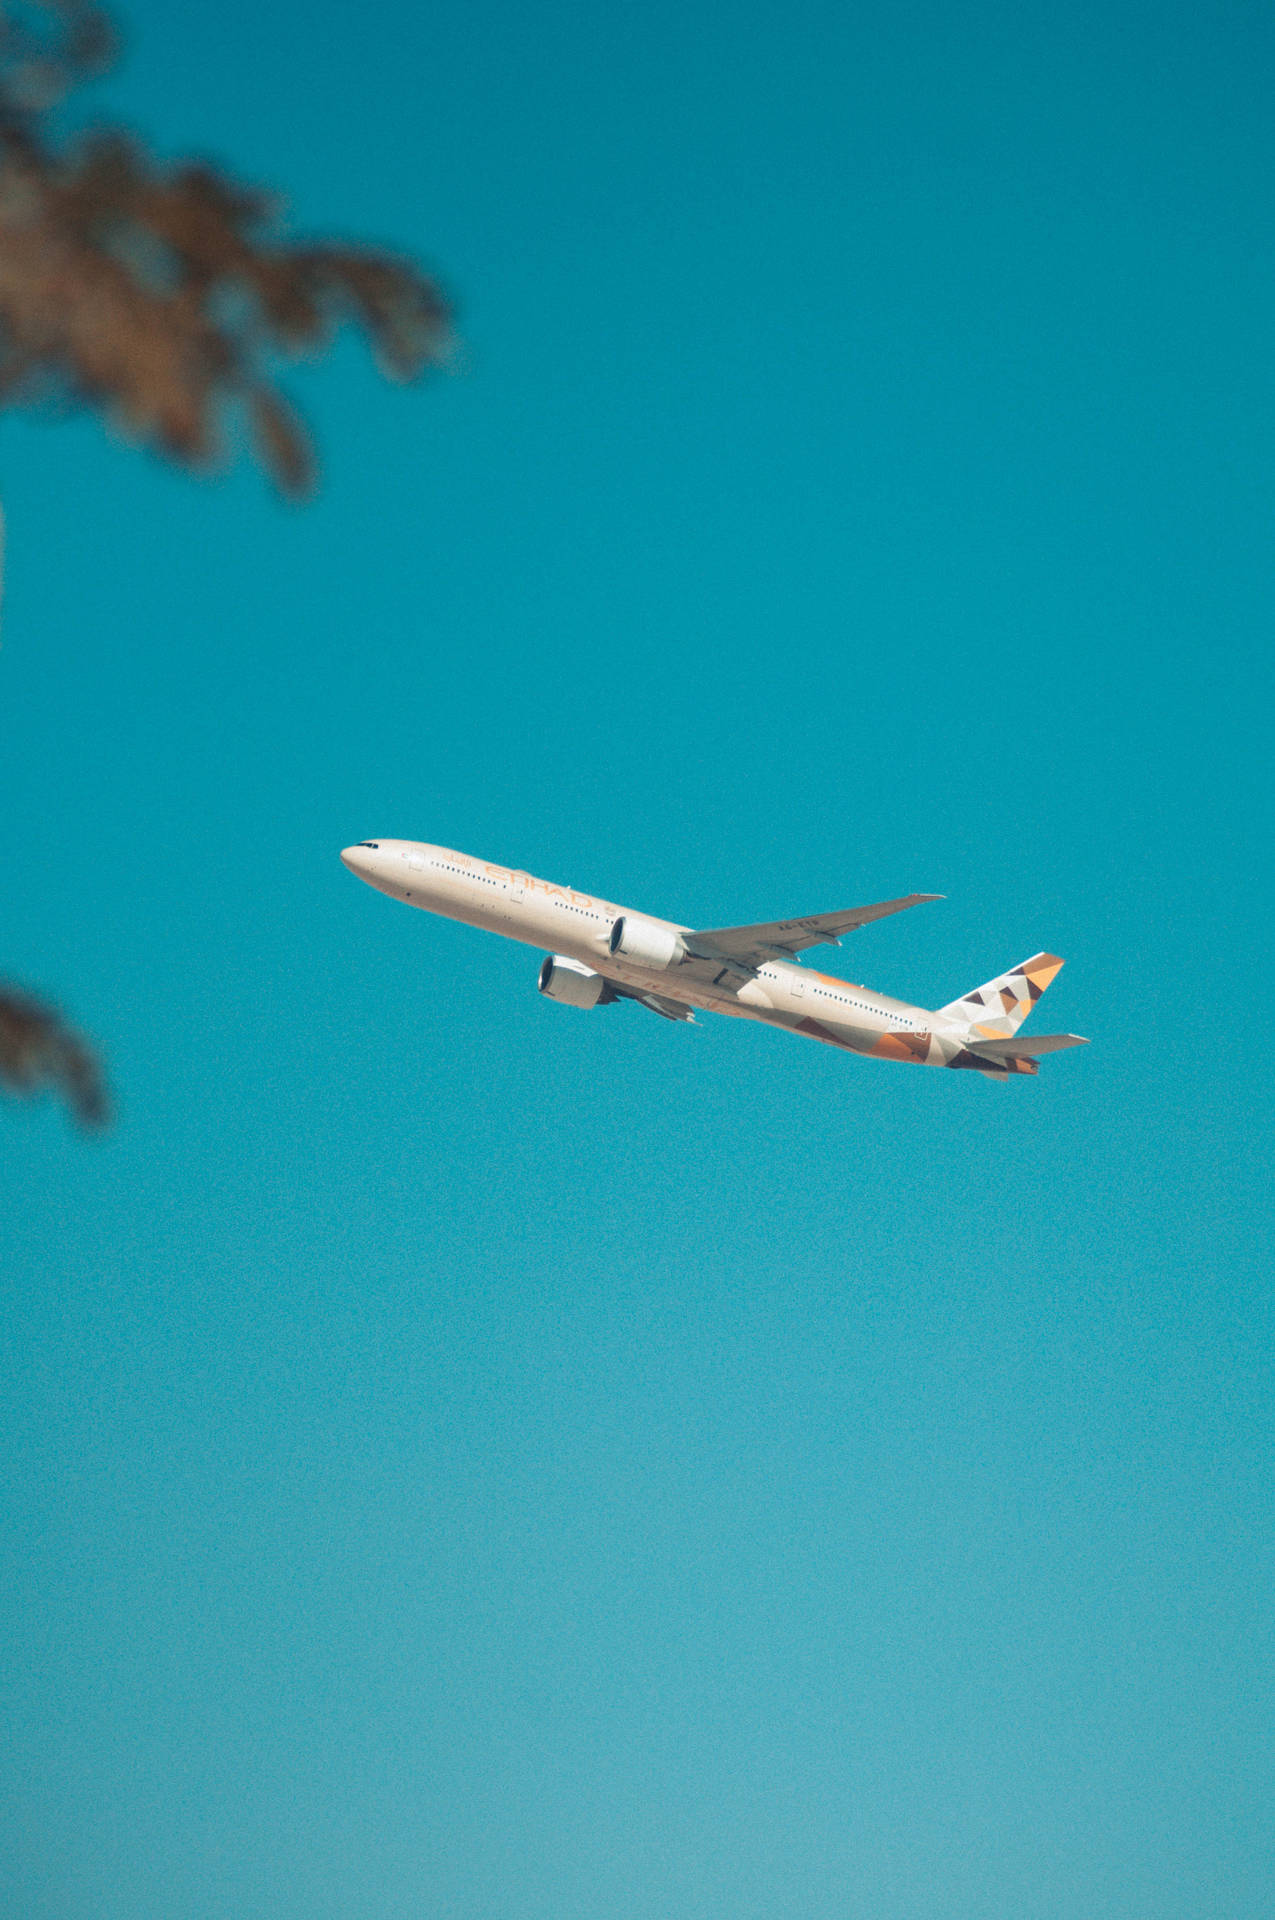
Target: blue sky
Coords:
[[468, 1459]]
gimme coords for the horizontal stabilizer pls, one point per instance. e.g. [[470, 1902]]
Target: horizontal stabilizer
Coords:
[[1027, 1046]]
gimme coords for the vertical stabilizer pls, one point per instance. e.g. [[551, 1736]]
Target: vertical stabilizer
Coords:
[[997, 1010]]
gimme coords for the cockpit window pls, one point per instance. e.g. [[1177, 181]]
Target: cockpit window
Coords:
[[374, 844]]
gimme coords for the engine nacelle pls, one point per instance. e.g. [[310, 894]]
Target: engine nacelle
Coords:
[[571, 982], [645, 942]]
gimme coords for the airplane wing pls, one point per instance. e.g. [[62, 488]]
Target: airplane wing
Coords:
[[779, 939], [1026, 1046], [668, 1009]]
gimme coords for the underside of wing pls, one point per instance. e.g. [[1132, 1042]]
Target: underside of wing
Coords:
[[781, 939], [657, 1002], [1026, 1046]]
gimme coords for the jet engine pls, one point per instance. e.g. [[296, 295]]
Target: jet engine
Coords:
[[571, 982], [645, 942]]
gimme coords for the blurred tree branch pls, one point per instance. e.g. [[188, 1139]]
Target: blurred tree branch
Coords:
[[165, 298], [39, 1053]]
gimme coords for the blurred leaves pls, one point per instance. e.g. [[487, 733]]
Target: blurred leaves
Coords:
[[39, 1053], [166, 296]]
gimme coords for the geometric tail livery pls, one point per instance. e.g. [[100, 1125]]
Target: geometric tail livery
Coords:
[[996, 1011]]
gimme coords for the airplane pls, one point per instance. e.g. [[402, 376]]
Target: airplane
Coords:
[[604, 953]]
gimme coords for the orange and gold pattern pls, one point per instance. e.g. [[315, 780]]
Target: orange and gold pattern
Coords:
[[997, 1011]]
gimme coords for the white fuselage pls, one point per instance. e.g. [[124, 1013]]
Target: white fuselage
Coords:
[[565, 921]]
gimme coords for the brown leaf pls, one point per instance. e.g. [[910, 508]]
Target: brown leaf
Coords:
[[39, 1053], [282, 444]]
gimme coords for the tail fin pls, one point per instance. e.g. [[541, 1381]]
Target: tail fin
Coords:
[[997, 1011]]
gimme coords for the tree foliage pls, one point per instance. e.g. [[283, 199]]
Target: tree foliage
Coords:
[[166, 298], [166, 295], [38, 1053]]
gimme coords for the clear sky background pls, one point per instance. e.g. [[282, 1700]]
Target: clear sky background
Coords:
[[468, 1459]]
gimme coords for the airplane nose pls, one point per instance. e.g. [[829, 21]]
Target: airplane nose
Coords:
[[361, 859]]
